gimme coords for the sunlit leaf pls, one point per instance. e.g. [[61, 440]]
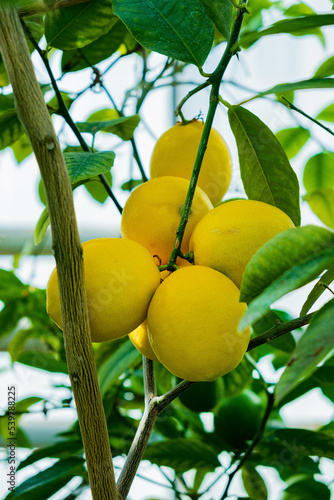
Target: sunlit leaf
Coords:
[[314, 345], [319, 172], [266, 173], [123, 126], [318, 290], [325, 69], [293, 139], [322, 205], [41, 226], [180, 30], [327, 114]]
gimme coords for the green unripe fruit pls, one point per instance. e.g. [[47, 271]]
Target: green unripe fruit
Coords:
[[238, 419], [203, 396]]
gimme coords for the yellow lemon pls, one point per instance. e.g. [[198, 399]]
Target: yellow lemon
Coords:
[[228, 237], [121, 278], [193, 324], [152, 214], [139, 338], [175, 153]]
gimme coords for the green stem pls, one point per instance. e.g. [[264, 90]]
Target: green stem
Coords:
[[63, 111], [186, 97], [215, 81], [292, 106]]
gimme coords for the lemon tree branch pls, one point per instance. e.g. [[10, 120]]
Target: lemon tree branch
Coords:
[[214, 80], [34, 115], [63, 111], [294, 108]]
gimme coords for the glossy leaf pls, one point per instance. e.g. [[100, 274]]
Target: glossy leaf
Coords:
[[313, 83], [314, 345], [319, 172], [82, 166], [322, 205], [325, 69], [123, 127], [120, 361], [63, 449], [290, 26], [11, 128], [42, 361], [239, 378], [220, 13], [285, 343], [293, 139], [286, 262], [308, 442], [254, 483], [79, 25], [47, 482], [41, 226], [177, 29], [266, 173], [318, 290], [182, 454], [95, 52], [307, 488], [327, 114], [6, 102]]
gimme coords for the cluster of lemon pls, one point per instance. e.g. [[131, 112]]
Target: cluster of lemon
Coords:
[[186, 319]]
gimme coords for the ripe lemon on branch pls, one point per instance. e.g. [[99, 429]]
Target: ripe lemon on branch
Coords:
[[121, 278], [228, 236], [193, 324], [175, 152], [152, 214]]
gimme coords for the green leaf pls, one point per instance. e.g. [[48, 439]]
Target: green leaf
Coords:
[[307, 488], [313, 83], [286, 262], [47, 482], [121, 360], [182, 454], [327, 114], [239, 378], [220, 13], [42, 361], [123, 127], [265, 169], [24, 404], [177, 29], [253, 483], [314, 345], [22, 148], [285, 343], [4, 79], [322, 205], [6, 102], [96, 188], [325, 69], [82, 166], [131, 184], [64, 450], [291, 26], [307, 442], [297, 10], [293, 139], [41, 226], [53, 104], [11, 128], [95, 52], [11, 287], [319, 172], [318, 290], [79, 25]]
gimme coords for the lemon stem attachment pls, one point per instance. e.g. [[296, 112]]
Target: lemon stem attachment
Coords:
[[214, 80]]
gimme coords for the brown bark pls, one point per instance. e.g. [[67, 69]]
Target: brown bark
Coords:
[[68, 253]]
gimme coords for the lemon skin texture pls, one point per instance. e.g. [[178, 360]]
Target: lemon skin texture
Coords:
[[228, 237], [152, 214], [139, 338], [121, 278], [175, 153], [192, 324], [238, 419]]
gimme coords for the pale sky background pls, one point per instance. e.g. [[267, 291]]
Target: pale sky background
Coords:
[[270, 61]]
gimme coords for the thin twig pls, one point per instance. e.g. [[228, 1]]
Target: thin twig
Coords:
[[150, 389], [63, 111], [292, 106]]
